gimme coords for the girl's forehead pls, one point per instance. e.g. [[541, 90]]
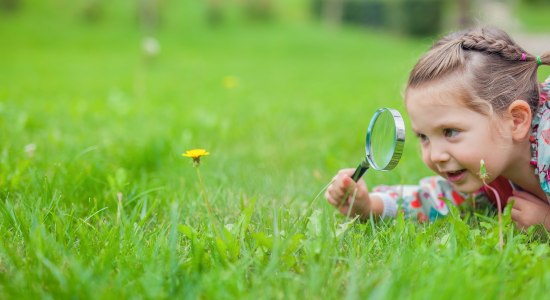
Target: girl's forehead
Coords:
[[428, 113], [436, 94]]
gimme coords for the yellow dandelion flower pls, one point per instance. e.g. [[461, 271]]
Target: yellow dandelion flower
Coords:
[[230, 82], [196, 155]]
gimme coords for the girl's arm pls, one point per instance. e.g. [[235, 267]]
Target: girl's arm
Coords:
[[421, 202]]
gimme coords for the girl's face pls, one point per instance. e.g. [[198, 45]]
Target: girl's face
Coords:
[[454, 138]]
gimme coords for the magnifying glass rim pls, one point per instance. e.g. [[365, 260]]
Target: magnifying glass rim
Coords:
[[399, 141]]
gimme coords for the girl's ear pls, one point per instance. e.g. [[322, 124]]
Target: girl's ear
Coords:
[[520, 113]]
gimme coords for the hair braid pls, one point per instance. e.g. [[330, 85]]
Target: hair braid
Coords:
[[489, 67], [505, 49]]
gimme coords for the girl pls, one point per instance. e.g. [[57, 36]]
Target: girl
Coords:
[[473, 96]]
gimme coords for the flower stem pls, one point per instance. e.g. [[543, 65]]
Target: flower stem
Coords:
[[499, 207], [206, 202], [483, 175]]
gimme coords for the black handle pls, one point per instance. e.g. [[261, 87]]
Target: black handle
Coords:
[[361, 169]]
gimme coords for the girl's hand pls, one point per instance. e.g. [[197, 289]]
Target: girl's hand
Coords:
[[341, 185], [529, 210]]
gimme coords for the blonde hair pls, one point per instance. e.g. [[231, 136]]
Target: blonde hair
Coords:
[[494, 69]]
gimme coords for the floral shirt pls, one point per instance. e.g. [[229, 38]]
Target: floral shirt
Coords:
[[540, 139], [426, 201]]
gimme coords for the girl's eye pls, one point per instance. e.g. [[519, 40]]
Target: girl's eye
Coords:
[[450, 132], [422, 137]]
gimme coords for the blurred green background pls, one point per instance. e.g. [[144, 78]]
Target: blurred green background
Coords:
[[98, 99], [279, 91]]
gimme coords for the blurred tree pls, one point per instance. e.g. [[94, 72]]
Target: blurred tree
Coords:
[[371, 13], [419, 17], [536, 1], [10, 5], [333, 11], [92, 11], [148, 13], [465, 13], [412, 17], [214, 15], [259, 10]]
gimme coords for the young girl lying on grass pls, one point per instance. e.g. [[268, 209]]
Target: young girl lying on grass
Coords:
[[473, 96]]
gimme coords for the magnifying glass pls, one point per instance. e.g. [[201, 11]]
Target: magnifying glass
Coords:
[[384, 142]]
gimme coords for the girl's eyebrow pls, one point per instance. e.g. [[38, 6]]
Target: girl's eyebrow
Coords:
[[416, 129], [448, 124], [440, 126]]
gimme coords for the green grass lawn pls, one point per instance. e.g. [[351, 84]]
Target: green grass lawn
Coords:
[[97, 201], [534, 17]]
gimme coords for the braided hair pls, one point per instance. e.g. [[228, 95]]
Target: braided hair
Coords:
[[494, 69]]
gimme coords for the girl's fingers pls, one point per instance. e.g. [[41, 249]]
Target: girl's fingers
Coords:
[[527, 196], [336, 192], [346, 183], [515, 213], [340, 185], [331, 195], [516, 217], [517, 202]]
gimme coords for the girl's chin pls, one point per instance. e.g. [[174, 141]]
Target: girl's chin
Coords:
[[468, 187], [467, 190]]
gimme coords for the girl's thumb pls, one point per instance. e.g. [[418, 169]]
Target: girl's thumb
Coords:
[[347, 182]]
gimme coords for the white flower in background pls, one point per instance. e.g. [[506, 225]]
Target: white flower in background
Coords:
[[151, 46], [30, 149]]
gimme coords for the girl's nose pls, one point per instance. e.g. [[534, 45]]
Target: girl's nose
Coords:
[[439, 154]]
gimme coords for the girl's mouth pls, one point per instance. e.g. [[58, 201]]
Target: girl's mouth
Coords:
[[456, 176]]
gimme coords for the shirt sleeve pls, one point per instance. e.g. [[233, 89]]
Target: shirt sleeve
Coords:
[[540, 143], [422, 202]]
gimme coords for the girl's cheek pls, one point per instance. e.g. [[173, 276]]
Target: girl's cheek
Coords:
[[431, 166], [426, 159], [425, 155]]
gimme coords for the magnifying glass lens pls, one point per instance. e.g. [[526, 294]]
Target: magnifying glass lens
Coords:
[[383, 143], [382, 140]]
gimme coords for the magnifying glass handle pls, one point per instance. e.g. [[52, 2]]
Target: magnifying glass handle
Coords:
[[361, 169]]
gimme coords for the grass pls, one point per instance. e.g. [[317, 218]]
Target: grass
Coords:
[[106, 207], [534, 17]]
